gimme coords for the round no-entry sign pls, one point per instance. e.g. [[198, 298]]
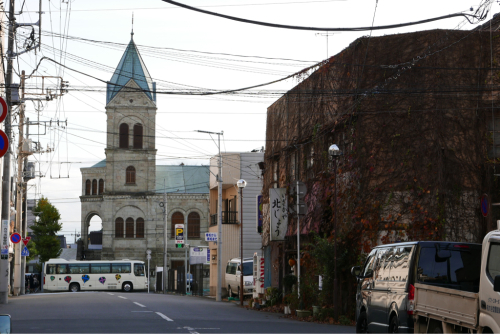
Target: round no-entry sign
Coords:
[[4, 143], [15, 238], [485, 207], [3, 109]]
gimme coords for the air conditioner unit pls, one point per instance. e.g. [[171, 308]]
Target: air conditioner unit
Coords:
[[28, 147], [29, 171]]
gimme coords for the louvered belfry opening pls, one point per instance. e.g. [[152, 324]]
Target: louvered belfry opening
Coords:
[[123, 135]]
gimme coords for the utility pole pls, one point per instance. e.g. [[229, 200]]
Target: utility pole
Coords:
[[218, 296], [165, 238], [4, 262], [18, 259]]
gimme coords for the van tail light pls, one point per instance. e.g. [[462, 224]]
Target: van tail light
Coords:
[[43, 280], [411, 299]]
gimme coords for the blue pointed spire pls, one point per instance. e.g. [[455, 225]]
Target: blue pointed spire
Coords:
[[132, 67]]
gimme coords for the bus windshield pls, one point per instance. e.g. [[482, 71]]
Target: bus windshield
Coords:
[[138, 269]]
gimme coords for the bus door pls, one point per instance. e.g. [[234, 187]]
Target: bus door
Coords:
[[50, 277], [61, 277]]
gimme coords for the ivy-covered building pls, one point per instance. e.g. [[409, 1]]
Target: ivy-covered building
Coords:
[[415, 118]]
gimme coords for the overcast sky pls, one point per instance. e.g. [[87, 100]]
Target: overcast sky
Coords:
[[184, 49]]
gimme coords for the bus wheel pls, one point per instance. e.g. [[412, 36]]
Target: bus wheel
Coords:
[[127, 287], [74, 287]]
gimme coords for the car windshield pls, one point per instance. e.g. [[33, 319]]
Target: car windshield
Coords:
[[247, 268]]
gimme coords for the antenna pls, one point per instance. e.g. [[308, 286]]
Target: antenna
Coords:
[[132, 33]]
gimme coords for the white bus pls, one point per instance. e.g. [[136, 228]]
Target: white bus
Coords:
[[62, 275]]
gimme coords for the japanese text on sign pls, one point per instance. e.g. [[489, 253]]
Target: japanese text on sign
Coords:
[[179, 233], [279, 213], [211, 236]]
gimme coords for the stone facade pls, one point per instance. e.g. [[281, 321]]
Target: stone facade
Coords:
[[124, 189]]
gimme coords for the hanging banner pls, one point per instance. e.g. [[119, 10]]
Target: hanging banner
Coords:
[[5, 240], [259, 214], [279, 213]]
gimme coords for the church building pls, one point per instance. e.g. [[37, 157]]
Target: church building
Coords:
[[126, 190]]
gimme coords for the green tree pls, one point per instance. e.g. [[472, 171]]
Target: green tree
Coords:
[[46, 242]]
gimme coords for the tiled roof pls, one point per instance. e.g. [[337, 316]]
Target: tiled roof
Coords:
[[130, 67], [182, 179]]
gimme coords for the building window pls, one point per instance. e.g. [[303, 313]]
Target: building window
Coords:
[[177, 218], [139, 228], [101, 186], [88, 186], [129, 228], [119, 228], [193, 225], [94, 187], [123, 135], [130, 175], [138, 135]]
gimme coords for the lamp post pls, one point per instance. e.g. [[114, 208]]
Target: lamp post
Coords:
[[241, 184], [334, 153]]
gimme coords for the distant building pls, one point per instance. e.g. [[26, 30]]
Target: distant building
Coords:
[[126, 189], [236, 166]]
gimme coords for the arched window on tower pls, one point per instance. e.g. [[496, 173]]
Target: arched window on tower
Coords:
[[177, 218], [193, 225], [88, 186], [139, 228], [130, 175], [129, 228], [138, 135], [94, 187], [101, 186], [119, 228], [123, 135]]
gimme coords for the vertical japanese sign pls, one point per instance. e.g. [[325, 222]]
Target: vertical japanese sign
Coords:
[[5, 240], [259, 214], [279, 213]]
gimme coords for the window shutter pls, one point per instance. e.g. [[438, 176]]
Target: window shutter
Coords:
[[129, 228], [119, 228], [139, 228], [123, 135]]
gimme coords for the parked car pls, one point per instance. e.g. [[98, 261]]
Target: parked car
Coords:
[[233, 272], [386, 283]]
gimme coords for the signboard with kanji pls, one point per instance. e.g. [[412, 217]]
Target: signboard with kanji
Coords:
[[278, 208], [260, 214], [210, 236]]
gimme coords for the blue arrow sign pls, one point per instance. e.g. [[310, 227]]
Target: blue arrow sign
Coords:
[[25, 251]]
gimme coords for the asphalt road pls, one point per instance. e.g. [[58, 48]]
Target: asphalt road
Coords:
[[137, 312]]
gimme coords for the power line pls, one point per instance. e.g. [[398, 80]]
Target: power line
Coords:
[[274, 25]]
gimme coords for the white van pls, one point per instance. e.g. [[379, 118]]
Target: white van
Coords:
[[233, 272]]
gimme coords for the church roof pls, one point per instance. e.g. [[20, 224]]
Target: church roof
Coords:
[[101, 163], [183, 179], [130, 67]]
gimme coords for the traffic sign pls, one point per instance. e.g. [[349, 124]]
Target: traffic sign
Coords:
[[3, 109], [15, 238], [179, 246], [148, 257], [484, 205], [25, 241], [25, 251], [179, 233], [4, 143]]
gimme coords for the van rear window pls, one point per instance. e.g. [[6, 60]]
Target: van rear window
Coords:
[[454, 268]]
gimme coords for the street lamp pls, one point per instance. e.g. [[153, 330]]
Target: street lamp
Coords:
[[241, 184], [334, 153]]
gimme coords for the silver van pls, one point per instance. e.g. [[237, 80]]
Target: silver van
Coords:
[[386, 282], [233, 272]]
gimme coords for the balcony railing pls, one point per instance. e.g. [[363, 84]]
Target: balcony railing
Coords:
[[228, 217]]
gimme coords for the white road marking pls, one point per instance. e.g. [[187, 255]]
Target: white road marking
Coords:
[[191, 330], [136, 303], [164, 316], [112, 294], [122, 297]]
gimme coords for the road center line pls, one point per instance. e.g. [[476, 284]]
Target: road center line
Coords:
[[164, 316], [136, 303], [122, 297]]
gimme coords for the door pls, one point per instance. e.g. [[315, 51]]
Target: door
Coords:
[[490, 299], [378, 321], [365, 285], [50, 277], [398, 294]]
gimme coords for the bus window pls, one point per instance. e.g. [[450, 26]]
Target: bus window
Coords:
[[100, 268], [139, 269], [51, 269], [78, 268], [62, 269], [123, 268]]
